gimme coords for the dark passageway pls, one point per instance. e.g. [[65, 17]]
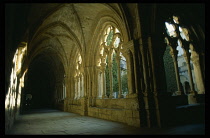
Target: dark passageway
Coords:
[[124, 63], [41, 80]]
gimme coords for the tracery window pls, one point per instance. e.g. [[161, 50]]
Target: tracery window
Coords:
[[112, 65], [178, 58]]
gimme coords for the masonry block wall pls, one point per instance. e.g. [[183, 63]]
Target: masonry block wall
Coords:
[[87, 47]]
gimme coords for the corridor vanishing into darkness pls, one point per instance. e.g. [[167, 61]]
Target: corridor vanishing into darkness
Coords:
[[40, 84], [104, 68]]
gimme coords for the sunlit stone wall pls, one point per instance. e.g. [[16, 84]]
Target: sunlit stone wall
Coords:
[[13, 96]]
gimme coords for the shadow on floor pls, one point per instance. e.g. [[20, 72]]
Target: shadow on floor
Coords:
[[55, 122]]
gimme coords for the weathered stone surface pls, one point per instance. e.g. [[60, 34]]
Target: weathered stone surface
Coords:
[[71, 39]]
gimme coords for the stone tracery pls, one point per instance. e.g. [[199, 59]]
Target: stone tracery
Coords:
[[107, 64]]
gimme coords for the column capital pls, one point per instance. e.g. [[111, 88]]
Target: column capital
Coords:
[[103, 59], [103, 66], [77, 78], [80, 75]]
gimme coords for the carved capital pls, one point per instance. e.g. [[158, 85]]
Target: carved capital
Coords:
[[103, 59], [103, 66]]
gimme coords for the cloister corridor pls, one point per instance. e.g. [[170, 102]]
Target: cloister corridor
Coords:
[[104, 69], [54, 122]]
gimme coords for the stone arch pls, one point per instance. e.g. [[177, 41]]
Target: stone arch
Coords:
[[97, 44], [98, 31], [42, 49], [48, 62], [65, 16], [70, 34]]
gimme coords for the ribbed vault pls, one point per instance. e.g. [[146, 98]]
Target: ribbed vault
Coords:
[[71, 29], [58, 52], [56, 38]]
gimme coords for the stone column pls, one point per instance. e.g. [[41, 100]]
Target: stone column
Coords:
[[111, 79], [197, 71], [78, 89], [63, 91], [66, 98], [119, 76], [75, 85], [89, 89], [154, 83], [187, 58], [60, 91], [94, 85], [57, 92], [144, 62], [99, 94], [146, 83], [147, 108], [66, 86], [129, 73], [174, 53], [191, 96], [85, 103], [71, 87], [81, 95], [103, 67], [101, 84], [82, 85]]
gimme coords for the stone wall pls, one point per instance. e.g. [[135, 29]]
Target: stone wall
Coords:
[[75, 106], [119, 110], [123, 110]]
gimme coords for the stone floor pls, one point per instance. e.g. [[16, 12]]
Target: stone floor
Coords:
[[54, 122]]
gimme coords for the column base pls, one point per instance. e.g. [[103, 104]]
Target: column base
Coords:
[[201, 92], [131, 95], [191, 99], [110, 97], [104, 96], [178, 93], [120, 96]]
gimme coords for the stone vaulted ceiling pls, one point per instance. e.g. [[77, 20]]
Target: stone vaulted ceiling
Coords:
[[63, 30]]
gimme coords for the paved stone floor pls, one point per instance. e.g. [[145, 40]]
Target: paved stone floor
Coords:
[[55, 122]]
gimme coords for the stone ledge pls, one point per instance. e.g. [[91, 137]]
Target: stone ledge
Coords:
[[130, 117]]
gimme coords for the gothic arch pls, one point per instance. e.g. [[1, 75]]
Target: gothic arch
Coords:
[[99, 31]]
